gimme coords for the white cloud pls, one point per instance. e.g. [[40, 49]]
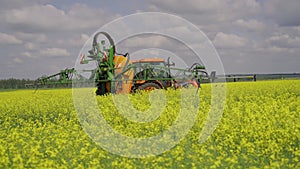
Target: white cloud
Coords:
[[28, 54], [78, 41], [32, 37], [9, 39], [284, 41], [273, 50], [84, 37], [223, 40], [55, 52], [46, 52], [35, 15], [17, 60], [81, 40], [250, 25], [297, 28], [277, 50], [30, 46], [146, 41], [203, 11], [49, 18]]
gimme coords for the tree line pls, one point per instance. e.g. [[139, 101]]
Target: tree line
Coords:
[[13, 83]]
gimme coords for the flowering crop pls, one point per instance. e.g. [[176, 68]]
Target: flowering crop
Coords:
[[259, 128]]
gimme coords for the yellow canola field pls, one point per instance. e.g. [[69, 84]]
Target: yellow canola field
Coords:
[[260, 128]]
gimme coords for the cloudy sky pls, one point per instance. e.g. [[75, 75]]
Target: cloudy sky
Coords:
[[251, 36]]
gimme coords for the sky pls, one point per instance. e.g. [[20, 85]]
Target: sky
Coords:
[[251, 36]]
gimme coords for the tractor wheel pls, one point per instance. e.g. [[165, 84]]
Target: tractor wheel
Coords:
[[149, 86], [100, 89]]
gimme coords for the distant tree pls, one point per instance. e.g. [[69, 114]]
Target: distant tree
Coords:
[[13, 83]]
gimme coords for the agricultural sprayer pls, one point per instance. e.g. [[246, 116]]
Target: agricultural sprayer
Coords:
[[116, 73]]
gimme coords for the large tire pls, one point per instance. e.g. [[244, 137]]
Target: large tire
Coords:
[[149, 86], [101, 90], [164, 84]]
